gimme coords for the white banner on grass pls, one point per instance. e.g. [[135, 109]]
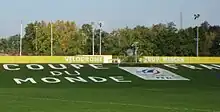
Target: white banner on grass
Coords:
[[153, 73]]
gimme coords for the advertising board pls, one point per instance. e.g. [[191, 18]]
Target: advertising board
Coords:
[[179, 60], [57, 59]]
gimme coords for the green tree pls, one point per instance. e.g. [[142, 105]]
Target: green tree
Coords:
[[14, 44], [4, 45], [187, 42], [215, 48], [158, 40], [87, 31], [146, 38]]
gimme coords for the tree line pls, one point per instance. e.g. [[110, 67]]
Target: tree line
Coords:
[[156, 40]]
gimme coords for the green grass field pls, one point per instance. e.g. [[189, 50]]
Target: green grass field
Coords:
[[200, 94]]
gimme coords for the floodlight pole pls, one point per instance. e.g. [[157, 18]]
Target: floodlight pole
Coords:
[[36, 37], [197, 41], [21, 38], [51, 39], [100, 42], [100, 39], [196, 16], [93, 38]]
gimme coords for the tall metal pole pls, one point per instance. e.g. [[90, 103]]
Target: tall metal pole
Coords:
[[181, 20], [197, 41], [36, 37], [100, 39], [93, 42], [93, 39], [51, 39], [196, 16], [21, 38], [100, 42]]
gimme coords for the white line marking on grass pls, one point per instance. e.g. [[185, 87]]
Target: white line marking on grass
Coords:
[[112, 103]]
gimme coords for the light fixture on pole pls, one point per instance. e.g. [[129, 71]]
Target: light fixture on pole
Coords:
[[100, 39], [196, 16]]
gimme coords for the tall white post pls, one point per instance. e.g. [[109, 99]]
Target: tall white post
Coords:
[[100, 42], [196, 16], [21, 35], [197, 41], [93, 38], [181, 20], [51, 39], [36, 37]]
